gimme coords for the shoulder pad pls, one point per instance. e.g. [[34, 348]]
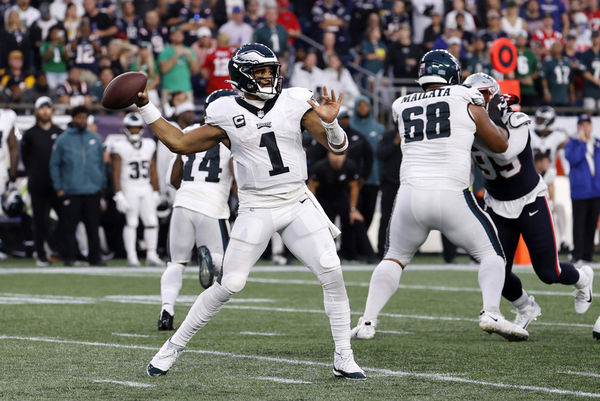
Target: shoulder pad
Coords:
[[518, 119], [298, 93]]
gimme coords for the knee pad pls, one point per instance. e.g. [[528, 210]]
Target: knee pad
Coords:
[[233, 282], [329, 260], [131, 222]]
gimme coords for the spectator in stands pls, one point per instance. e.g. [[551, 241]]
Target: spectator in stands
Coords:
[[512, 23], [338, 78], [394, 19], [129, 25], [455, 48], [105, 76], [329, 16], [154, 32], [580, 28], [334, 181], [71, 22], [14, 80], [102, 26], [479, 59], [40, 88], [365, 122], [494, 27], [307, 75], [583, 154], [78, 175], [389, 156], [73, 91], [27, 14], [590, 65], [39, 32], [193, 16], [422, 12], [215, 69], [144, 62], [272, 35], [532, 15], [253, 17], [328, 51], [373, 51], [558, 11], [458, 8], [543, 39], [121, 54], [359, 148], [54, 57], [557, 78], [36, 148], [177, 65], [403, 55], [288, 20], [204, 45], [85, 50], [593, 14], [58, 9], [15, 36], [527, 71], [433, 31], [236, 29]]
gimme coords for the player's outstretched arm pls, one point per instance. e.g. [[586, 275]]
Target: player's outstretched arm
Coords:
[[322, 123], [494, 137], [197, 140]]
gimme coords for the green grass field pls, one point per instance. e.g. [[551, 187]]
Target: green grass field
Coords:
[[88, 333]]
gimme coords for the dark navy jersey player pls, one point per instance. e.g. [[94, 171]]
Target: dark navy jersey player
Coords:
[[516, 199]]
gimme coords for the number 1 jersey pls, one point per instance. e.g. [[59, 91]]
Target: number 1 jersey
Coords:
[[135, 163], [266, 145], [437, 132]]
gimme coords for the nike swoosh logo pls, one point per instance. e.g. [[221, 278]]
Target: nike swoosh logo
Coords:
[[494, 319], [533, 213], [590, 298]]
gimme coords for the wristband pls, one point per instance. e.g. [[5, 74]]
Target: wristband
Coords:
[[149, 113], [335, 136]]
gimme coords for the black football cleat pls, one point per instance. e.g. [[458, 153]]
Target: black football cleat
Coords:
[[165, 321], [206, 273]]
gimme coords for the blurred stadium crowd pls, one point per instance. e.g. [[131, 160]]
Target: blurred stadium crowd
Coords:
[[69, 50]]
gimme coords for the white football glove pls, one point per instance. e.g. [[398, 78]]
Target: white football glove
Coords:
[[121, 202]]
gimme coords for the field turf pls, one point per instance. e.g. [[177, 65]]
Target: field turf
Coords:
[[88, 333]]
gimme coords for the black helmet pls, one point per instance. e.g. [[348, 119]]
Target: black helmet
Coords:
[[12, 203], [217, 94], [439, 66], [247, 58]]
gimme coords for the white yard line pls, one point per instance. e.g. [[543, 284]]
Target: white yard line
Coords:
[[128, 384], [282, 380], [130, 335], [394, 332], [255, 333], [587, 374], [428, 376]]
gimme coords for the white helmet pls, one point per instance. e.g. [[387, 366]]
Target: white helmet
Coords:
[[485, 83], [133, 120]]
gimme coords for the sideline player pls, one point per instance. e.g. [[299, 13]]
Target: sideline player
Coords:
[[516, 199], [437, 129], [264, 132], [136, 188], [200, 216]]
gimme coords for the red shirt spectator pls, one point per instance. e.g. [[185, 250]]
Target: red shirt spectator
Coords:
[[593, 16], [542, 39], [288, 20], [215, 66]]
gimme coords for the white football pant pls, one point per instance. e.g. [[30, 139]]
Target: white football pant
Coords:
[[141, 206]]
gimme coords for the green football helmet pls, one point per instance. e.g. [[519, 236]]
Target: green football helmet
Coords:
[[439, 66]]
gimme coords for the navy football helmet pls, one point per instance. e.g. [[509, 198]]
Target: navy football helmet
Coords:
[[12, 203], [439, 67], [544, 118], [248, 58]]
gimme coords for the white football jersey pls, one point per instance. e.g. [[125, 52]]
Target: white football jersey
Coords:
[[135, 163], [437, 132], [206, 182], [8, 119], [266, 145]]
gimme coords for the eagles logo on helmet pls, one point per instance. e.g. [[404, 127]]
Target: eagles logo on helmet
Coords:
[[12, 203], [245, 61]]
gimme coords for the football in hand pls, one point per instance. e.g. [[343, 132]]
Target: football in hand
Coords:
[[122, 91]]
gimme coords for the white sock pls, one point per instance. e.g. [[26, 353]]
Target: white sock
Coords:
[[384, 283], [206, 306], [491, 281], [522, 301], [129, 237], [337, 308], [170, 285], [151, 238]]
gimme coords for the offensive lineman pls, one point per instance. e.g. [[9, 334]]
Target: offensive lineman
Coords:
[[516, 198], [136, 188], [437, 129], [200, 215], [264, 133]]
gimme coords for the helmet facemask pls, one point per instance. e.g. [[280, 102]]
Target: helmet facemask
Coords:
[[258, 77], [134, 137]]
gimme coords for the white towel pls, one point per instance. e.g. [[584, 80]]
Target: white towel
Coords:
[[335, 232]]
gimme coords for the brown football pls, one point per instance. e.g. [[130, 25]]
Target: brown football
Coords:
[[122, 91]]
